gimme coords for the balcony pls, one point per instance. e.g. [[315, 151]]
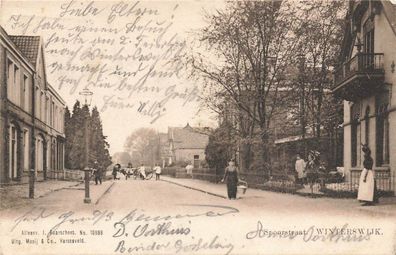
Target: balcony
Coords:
[[359, 77]]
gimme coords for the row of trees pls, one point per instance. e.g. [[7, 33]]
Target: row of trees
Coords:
[[265, 58], [75, 149]]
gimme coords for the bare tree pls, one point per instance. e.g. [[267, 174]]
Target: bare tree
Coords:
[[251, 45], [144, 142], [322, 36]]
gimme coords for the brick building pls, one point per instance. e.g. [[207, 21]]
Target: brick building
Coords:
[[31, 112]]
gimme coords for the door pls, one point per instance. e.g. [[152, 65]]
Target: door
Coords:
[[196, 161], [369, 57]]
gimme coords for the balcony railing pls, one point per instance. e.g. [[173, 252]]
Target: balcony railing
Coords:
[[361, 63]]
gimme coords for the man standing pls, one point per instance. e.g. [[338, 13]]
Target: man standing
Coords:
[[157, 170], [300, 169], [97, 173]]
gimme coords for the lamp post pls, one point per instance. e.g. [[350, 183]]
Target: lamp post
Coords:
[[32, 176], [87, 94]]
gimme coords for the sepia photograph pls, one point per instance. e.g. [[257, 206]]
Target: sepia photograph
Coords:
[[197, 127]]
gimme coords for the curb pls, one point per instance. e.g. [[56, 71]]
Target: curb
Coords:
[[57, 189], [104, 193], [196, 189]]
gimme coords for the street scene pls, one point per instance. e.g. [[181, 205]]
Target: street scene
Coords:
[[197, 127]]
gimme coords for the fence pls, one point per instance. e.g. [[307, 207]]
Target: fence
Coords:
[[207, 174], [330, 184], [69, 175], [383, 180]]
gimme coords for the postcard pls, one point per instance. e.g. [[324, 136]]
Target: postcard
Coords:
[[197, 127]]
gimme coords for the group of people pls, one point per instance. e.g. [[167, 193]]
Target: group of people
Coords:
[[307, 172], [129, 171]]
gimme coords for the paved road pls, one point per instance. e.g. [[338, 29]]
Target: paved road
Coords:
[[151, 217]]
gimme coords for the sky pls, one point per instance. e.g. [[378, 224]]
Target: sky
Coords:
[[126, 53]]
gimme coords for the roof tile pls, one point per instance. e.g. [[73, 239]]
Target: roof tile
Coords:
[[29, 45]]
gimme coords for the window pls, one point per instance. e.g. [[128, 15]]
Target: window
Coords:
[[47, 111], [52, 114], [26, 89], [13, 152], [10, 80], [17, 88], [355, 114], [197, 163], [42, 106], [26, 149], [37, 104], [55, 116], [382, 129], [368, 35], [62, 117]]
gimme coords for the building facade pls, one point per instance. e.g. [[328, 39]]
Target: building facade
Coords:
[[366, 79], [31, 112], [187, 144]]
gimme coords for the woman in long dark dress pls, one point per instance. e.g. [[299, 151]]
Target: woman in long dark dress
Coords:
[[231, 177], [367, 192]]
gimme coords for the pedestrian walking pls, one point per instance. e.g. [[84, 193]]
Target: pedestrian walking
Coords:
[[189, 169], [97, 173], [367, 192], [157, 170], [231, 177], [116, 168], [300, 169]]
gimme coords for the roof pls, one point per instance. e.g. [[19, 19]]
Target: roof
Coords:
[[187, 138], [16, 50], [55, 94], [390, 13], [29, 45]]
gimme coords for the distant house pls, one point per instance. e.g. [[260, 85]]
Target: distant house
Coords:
[[187, 144]]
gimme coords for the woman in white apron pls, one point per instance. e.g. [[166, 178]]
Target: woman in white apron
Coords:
[[367, 192]]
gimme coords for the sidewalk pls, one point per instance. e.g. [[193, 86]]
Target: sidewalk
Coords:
[[96, 192], [214, 189], [387, 206], [18, 195]]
